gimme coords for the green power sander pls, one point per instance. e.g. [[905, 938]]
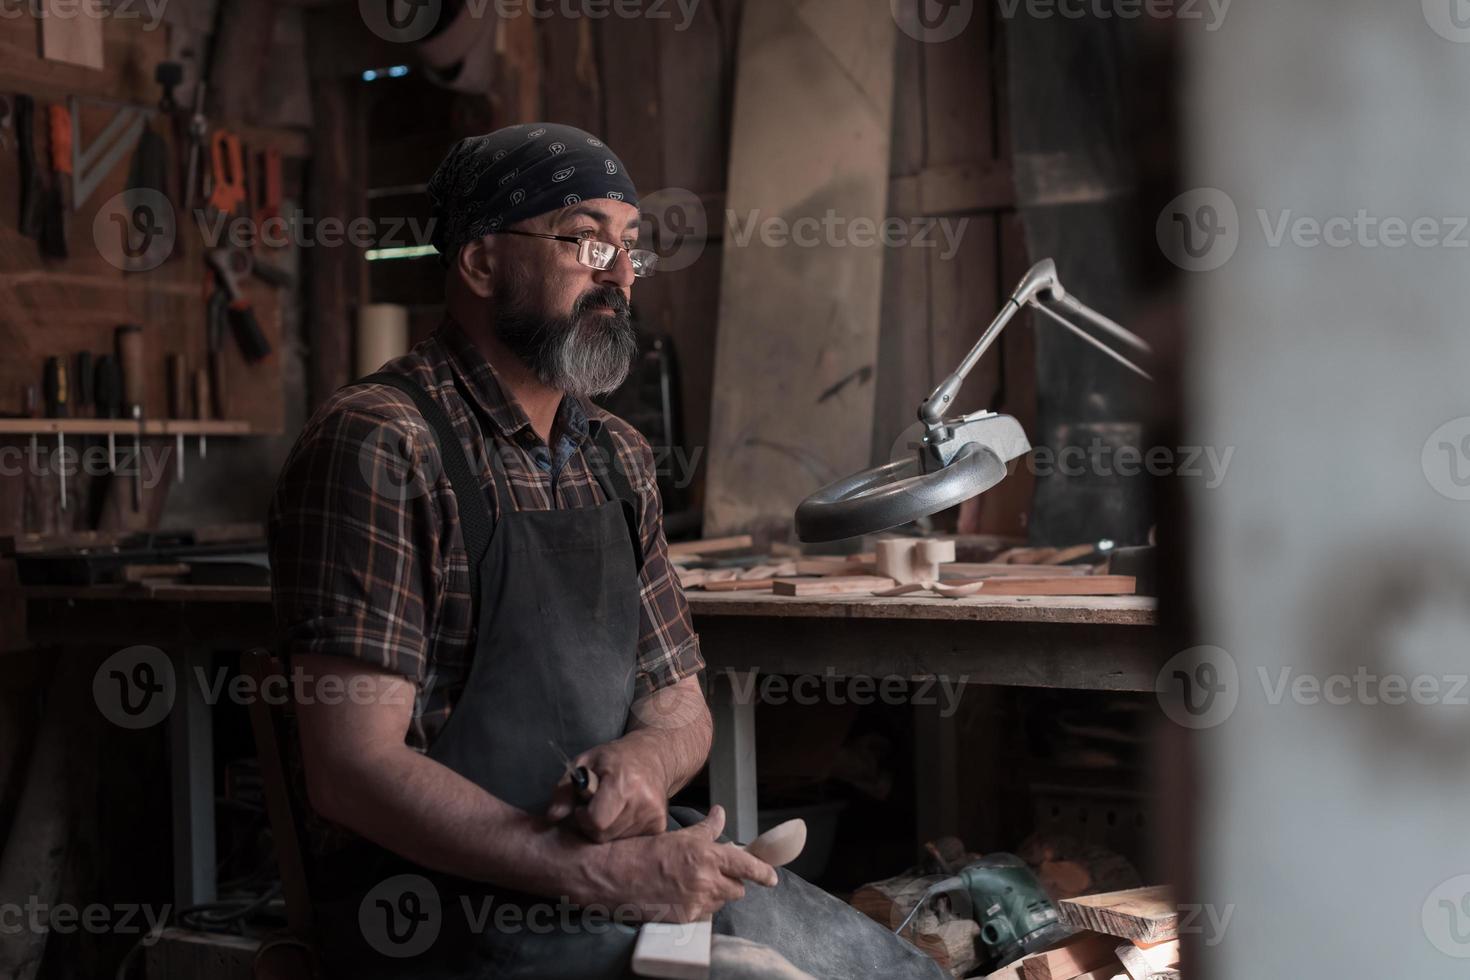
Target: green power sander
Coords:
[[1014, 913]]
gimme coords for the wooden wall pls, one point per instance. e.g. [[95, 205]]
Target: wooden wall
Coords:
[[52, 306], [661, 97]]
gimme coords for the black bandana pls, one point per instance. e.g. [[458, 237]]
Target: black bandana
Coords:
[[491, 182]]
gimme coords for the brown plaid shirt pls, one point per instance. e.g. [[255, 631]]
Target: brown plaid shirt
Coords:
[[367, 560]]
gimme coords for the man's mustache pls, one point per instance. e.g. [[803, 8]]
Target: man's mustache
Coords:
[[607, 296]]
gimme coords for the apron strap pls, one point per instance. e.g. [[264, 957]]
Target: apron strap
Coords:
[[615, 486], [475, 521]]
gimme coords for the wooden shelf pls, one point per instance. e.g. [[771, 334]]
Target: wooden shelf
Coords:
[[123, 427]]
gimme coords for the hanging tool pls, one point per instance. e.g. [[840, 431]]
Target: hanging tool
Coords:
[[130, 357], [92, 163], [198, 131], [202, 406], [170, 75], [54, 385], [107, 392], [230, 265], [82, 397], [178, 406], [32, 408], [228, 170], [268, 187], [32, 189], [53, 230]]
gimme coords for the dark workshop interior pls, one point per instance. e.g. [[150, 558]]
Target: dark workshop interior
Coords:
[[734, 489]]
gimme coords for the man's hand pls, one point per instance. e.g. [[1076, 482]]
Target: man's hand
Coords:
[[631, 798], [679, 876]]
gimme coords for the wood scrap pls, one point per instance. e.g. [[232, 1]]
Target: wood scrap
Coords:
[[1065, 585], [946, 938], [837, 565], [1143, 915], [141, 572], [1063, 555], [994, 570], [908, 560], [832, 585], [710, 546], [1079, 954], [740, 585]]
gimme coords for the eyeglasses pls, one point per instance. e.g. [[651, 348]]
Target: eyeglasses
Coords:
[[597, 254]]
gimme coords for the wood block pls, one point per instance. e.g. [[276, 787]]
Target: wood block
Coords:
[[966, 569], [1064, 555], [710, 546], [677, 950], [741, 585], [833, 585], [912, 559], [1080, 954], [1144, 915], [1068, 585]]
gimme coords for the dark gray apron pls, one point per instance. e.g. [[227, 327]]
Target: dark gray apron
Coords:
[[555, 658]]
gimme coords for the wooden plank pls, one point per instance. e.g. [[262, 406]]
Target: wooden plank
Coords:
[[1144, 915], [1078, 955], [830, 585], [798, 326], [740, 585], [1067, 585], [71, 32], [710, 546]]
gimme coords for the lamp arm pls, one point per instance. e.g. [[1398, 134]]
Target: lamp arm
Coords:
[[1037, 288], [931, 411]]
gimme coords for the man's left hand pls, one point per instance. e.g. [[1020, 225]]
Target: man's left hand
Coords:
[[631, 798]]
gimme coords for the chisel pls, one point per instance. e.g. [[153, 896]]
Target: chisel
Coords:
[[130, 356], [54, 387]]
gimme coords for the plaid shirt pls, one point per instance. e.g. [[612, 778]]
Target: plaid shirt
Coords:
[[367, 559]]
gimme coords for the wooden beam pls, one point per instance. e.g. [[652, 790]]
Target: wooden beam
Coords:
[[1144, 915]]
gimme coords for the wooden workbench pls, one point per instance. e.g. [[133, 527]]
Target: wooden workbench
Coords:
[[1080, 643]]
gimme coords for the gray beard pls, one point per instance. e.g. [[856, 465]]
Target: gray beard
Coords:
[[583, 354]]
